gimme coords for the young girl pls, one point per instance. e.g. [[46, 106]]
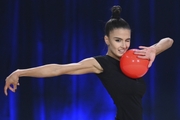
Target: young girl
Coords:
[[126, 93]]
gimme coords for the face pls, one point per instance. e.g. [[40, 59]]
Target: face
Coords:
[[118, 42]]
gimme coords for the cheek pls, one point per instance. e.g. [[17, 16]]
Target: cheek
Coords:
[[113, 45], [127, 44]]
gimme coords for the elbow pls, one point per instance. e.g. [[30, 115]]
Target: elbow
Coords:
[[51, 70], [56, 70]]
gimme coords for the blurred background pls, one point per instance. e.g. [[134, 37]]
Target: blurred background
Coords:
[[38, 32]]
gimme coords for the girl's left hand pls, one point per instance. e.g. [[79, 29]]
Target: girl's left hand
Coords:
[[146, 53]]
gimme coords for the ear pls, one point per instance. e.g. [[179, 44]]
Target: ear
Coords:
[[106, 39]]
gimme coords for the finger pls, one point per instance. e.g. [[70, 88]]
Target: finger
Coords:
[[11, 89], [15, 87], [140, 53], [150, 64], [143, 57], [143, 47], [5, 90]]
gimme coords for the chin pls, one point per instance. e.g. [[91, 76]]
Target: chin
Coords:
[[119, 55]]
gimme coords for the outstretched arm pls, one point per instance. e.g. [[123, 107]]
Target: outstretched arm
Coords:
[[151, 52], [89, 65]]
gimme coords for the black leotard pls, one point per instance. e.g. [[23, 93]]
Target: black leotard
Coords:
[[126, 93]]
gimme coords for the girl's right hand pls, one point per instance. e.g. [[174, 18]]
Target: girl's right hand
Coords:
[[12, 81]]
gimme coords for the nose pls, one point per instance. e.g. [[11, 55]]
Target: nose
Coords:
[[123, 45]]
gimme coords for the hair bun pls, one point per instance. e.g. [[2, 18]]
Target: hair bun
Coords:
[[116, 10]]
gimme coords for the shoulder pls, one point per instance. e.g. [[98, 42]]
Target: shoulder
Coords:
[[102, 60], [92, 62]]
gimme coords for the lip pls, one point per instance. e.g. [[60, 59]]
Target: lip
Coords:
[[121, 51]]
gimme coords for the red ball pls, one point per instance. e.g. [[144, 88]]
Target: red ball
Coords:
[[132, 66]]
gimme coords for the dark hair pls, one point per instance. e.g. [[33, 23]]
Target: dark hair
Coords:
[[116, 21]]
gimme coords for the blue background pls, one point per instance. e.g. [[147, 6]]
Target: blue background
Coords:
[[38, 32]]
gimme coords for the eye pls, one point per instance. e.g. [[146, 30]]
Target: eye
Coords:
[[117, 40], [128, 40]]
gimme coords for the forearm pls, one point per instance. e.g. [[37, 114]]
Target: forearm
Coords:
[[163, 45], [49, 70]]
